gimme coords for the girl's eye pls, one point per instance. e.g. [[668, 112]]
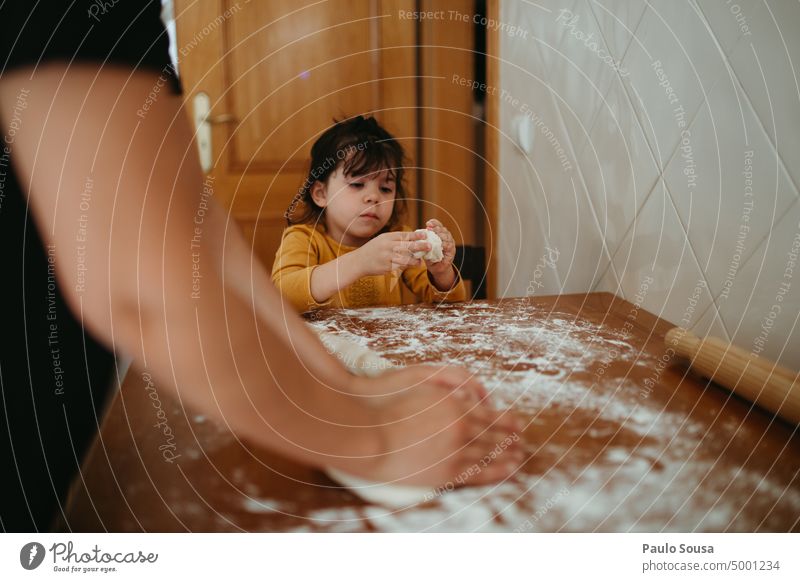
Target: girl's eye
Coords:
[[386, 190], [357, 185]]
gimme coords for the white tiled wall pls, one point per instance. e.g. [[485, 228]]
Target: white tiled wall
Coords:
[[654, 198]]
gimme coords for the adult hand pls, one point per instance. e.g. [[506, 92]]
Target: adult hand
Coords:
[[435, 427]]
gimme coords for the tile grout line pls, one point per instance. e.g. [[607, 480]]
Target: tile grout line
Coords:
[[738, 82], [752, 254], [703, 274], [606, 250], [582, 183]]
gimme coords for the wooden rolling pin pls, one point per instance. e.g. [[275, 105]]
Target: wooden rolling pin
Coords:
[[752, 377]]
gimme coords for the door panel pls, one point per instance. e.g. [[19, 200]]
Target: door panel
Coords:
[[294, 66], [277, 72]]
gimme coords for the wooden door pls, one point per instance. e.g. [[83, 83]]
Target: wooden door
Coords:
[[278, 71], [448, 127]]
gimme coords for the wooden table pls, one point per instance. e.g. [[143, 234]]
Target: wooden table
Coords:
[[621, 438]]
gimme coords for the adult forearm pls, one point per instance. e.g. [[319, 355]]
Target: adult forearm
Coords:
[[245, 275], [123, 190], [222, 358]]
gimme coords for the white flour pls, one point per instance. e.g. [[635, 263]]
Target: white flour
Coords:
[[541, 361]]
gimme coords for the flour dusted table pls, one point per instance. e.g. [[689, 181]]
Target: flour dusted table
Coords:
[[621, 437]]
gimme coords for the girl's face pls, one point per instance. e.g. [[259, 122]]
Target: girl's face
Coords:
[[356, 207]]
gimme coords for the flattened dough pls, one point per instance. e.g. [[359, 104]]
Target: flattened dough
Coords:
[[391, 496], [358, 359]]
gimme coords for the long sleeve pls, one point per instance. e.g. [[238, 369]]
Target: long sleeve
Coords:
[[295, 260], [418, 281]]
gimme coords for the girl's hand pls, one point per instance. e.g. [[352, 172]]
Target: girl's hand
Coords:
[[448, 248], [391, 251], [443, 273]]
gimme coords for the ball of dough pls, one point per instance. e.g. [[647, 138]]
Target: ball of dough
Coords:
[[435, 254]]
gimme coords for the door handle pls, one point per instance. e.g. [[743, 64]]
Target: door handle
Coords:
[[202, 127]]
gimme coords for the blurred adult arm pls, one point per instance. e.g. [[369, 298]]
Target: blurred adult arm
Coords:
[[226, 343]]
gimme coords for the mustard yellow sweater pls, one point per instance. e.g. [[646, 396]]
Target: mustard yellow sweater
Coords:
[[304, 247]]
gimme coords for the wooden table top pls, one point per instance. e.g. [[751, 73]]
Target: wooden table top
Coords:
[[621, 437]]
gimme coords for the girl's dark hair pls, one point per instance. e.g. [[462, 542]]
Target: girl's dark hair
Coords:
[[360, 146]]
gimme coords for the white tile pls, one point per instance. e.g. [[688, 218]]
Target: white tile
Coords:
[[563, 209], [521, 50], [726, 212], [582, 76], [617, 165], [523, 211], [762, 310], [556, 202], [618, 20], [522, 244], [727, 20], [674, 35], [656, 253], [766, 63], [710, 324], [609, 283], [520, 65], [550, 31], [576, 237], [523, 233]]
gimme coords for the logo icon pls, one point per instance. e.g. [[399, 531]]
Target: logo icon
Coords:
[[31, 555]]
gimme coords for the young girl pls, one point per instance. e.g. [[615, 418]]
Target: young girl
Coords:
[[345, 245]]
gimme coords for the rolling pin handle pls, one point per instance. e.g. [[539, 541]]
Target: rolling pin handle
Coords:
[[752, 377]]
